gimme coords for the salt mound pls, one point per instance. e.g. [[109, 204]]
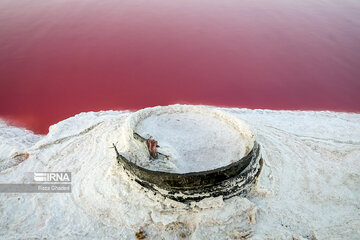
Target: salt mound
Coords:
[[194, 138]]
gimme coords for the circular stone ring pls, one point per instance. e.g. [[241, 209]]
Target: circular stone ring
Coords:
[[234, 179]]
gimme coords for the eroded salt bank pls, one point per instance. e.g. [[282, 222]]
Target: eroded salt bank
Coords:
[[308, 187]]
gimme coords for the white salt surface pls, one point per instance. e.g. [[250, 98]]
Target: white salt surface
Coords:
[[308, 187], [194, 140]]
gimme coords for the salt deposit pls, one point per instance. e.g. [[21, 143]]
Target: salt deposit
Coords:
[[194, 138], [308, 187]]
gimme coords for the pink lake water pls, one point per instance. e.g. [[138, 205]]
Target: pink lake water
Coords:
[[59, 58]]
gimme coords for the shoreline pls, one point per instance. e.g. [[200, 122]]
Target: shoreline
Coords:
[[15, 122]]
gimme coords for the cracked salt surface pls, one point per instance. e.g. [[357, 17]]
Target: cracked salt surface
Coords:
[[308, 187]]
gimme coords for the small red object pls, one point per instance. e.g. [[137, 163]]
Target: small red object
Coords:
[[151, 145]]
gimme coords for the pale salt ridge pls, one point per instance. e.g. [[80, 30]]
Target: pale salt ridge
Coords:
[[308, 188]]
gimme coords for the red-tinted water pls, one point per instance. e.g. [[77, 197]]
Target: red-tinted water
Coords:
[[59, 58]]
